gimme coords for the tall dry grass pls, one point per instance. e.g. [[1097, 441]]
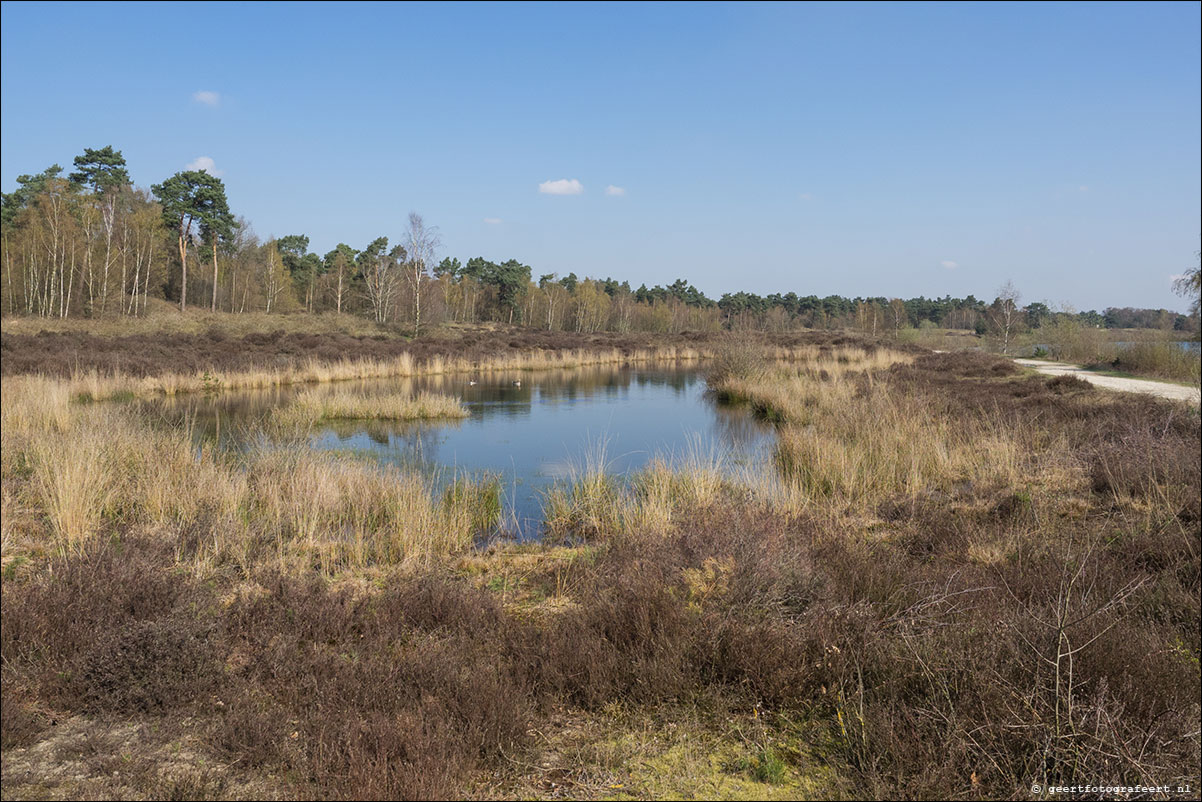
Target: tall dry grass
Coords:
[[85, 472], [593, 502], [92, 385], [847, 438], [309, 407], [862, 447]]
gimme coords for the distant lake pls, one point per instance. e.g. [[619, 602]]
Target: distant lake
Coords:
[[1185, 345], [1191, 346]]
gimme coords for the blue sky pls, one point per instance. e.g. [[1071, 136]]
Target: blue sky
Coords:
[[883, 149]]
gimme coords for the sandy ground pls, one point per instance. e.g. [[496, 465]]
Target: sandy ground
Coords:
[[1176, 392]]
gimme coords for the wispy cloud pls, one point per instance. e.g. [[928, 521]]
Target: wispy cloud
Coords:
[[806, 196], [493, 221], [1083, 188], [949, 264], [204, 164], [206, 97], [615, 191], [564, 186]]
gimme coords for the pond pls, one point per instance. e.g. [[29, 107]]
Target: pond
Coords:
[[529, 429]]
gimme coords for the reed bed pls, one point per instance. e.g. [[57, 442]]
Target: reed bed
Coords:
[[94, 386], [310, 407], [1141, 352], [1165, 359]]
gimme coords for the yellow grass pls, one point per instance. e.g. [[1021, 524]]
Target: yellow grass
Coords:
[[866, 448], [95, 386], [594, 502], [310, 407], [849, 440], [75, 473]]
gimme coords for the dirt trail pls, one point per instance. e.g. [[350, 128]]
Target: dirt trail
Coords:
[[1176, 392]]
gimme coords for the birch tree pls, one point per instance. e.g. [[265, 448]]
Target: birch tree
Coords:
[[1005, 313], [380, 279], [421, 245]]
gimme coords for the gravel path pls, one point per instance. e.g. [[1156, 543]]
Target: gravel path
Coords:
[[1176, 392]]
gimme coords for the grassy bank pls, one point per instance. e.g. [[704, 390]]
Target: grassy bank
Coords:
[[74, 474], [961, 580], [95, 386]]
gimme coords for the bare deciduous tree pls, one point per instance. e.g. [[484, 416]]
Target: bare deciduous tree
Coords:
[[897, 310], [274, 278], [1005, 312], [1189, 285], [421, 245]]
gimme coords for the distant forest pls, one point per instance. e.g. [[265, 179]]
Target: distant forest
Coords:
[[90, 243]]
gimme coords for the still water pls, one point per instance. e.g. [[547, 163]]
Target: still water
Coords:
[[528, 428]]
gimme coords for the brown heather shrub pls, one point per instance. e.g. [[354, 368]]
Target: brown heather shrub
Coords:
[[1144, 466], [148, 666], [114, 629], [629, 638], [54, 616], [435, 603], [395, 695], [913, 660], [1069, 384], [962, 364], [77, 350], [20, 722]]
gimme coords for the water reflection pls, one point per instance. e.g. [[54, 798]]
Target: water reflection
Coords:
[[527, 427]]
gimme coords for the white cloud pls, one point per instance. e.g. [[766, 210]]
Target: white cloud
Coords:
[[206, 97], [806, 196], [564, 186], [616, 191], [1083, 188], [204, 164], [949, 264], [493, 221]]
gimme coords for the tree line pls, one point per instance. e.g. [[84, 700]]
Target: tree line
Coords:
[[90, 243]]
